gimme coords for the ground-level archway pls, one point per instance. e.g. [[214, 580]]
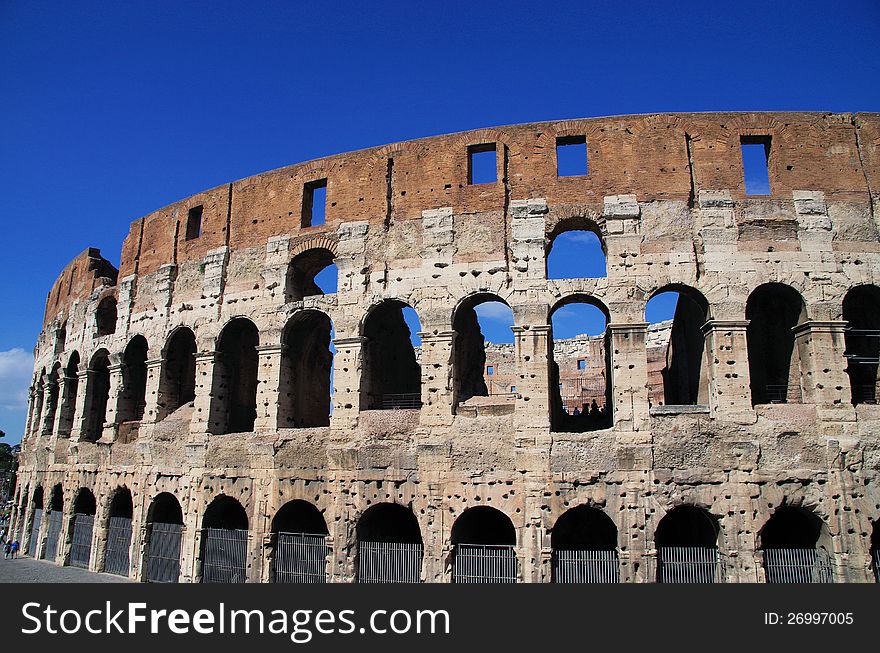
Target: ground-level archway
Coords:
[[117, 555], [796, 547], [484, 542], [299, 544], [687, 547], [584, 543], [224, 542], [81, 529], [390, 546], [163, 538]]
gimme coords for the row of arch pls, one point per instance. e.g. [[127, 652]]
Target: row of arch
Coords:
[[584, 542]]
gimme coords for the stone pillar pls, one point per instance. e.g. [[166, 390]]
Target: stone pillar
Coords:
[[532, 351], [153, 408], [207, 414], [64, 414], [39, 397], [50, 404], [268, 387], [32, 399], [347, 367], [629, 375], [83, 404], [824, 380], [436, 366], [111, 416], [527, 247], [728, 366]]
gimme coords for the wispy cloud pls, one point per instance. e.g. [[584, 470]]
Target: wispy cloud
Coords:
[[16, 366], [497, 311]]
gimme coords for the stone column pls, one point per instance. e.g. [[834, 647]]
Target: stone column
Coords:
[[39, 396], [153, 409], [32, 398], [824, 380], [347, 367], [83, 404], [532, 351], [111, 416], [64, 416], [50, 405], [728, 366], [436, 366], [207, 414], [629, 375], [268, 387]]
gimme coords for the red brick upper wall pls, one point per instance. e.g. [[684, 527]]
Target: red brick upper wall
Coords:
[[646, 155], [77, 281]]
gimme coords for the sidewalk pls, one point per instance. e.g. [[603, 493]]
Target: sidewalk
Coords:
[[28, 570]]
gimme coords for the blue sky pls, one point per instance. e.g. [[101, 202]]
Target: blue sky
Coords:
[[112, 110]]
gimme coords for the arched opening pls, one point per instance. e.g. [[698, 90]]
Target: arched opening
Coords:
[[299, 544], [576, 251], [796, 547], [584, 543], [224, 542], [61, 338], [177, 386], [163, 538], [133, 397], [389, 545], [484, 547], [391, 377], [237, 362], [117, 558], [82, 527], [677, 371], [306, 380], [484, 363], [36, 522], [39, 391], [773, 311], [687, 547], [98, 393], [312, 272], [861, 310], [56, 521], [875, 550], [52, 390], [105, 316], [580, 366], [68, 400]]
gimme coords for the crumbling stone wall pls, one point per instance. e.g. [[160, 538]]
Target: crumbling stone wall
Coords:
[[666, 195]]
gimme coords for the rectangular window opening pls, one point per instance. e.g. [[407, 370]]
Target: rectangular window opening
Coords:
[[314, 210], [194, 223], [571, 156], [755, 158], [490, 370], [482, 167], [582, 364]]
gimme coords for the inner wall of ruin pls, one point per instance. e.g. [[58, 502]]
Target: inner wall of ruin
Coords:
[[666, 195]]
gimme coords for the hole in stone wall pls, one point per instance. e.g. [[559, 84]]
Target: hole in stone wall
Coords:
[[121, 505], [299, 516], [389, 522], [237, 363], [132, 398], [791, 527], [225, 512], [391, 374], [313, 272], [98, 393], [314, 206], [687, 526], [105, 316], [576, 251], [755, 160], [483, 525], [194, 223], [571, 156], [484, 360], [482, 165], [165, 509], [861, 310], [178, 383], [306, 380]]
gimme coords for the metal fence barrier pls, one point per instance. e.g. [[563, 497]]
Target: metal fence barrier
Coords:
[[35, 533], [162, 556], [777, 393], [401, 401], [571, 566], [484, 563], [389, 562], [689, 564], [875, 554], [53, 533], [116, 556], [798, 566], [81, 540], [224, 555], [300, 558]]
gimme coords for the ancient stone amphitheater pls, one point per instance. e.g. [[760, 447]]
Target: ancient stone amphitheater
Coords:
[[182, 425]]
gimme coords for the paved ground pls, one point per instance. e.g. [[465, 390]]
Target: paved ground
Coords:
[[28, 570]]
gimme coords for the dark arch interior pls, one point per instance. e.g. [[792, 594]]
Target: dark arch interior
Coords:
[[52, 399], [687, 526], [299, 517], [57, 502], [390, 368], [584, 528], [875, 536], [165, 509], [85, 503], [306, 371], [99, 393], [225, 512], [38, 498], [469, 360], [133, 398], [301, 273], [121, 505], [861, 310], [483, 525], [389, 522], [773, 310], [791, 528], [238, 362], [105, 316], [179, 387]]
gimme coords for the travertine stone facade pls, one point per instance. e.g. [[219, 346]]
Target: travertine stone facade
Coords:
[[666, 195]]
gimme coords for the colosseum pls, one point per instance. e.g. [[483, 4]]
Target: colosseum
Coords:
[[207, 413]]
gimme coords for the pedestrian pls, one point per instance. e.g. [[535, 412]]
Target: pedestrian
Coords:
[[15, 547], [7, 550]]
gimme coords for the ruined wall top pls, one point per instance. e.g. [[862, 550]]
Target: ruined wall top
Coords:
[[78, 280]]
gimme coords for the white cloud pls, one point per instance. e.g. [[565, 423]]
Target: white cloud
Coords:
[[494, 311], [16, 366]]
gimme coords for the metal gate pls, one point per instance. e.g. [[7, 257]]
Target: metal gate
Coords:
[[81, 540], [876, 555], [52, 534], [35, 533], [116, 560], [484, 563], [162, 557], [689, 564], [570, 566], [389, 562], [224, 555], [300, 558], [798, 566]]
